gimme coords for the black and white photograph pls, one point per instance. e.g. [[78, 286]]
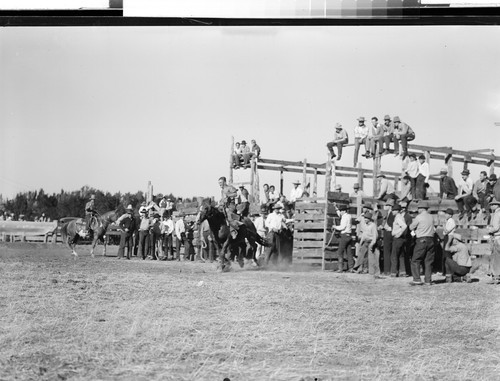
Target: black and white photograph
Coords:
[[285, 190]]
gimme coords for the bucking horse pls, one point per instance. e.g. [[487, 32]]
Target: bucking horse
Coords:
[[223, 239], [71, 231]]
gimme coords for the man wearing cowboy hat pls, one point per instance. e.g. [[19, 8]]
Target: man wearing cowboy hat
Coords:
[[126, 223], [357, 192], [403, 132], [423, 226], [245, 154], [457, 266], [344, 249], [386, 226], [296, 191], [368, 245], [448, 231], [360, 137], [340, 139], [465, 200], [260, 227], [447, 187], [89, 211], [398, 232], [275, 223], [180, 236], [388, 128]]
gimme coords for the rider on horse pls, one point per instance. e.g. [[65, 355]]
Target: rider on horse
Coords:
[[228, 206], [90, 212]]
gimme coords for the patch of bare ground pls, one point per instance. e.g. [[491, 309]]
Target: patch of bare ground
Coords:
[[105, 319]]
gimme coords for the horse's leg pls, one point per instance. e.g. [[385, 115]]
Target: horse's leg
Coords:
[[105, 243], [94, 242], [223, 254], [253, 247], [73, 245]]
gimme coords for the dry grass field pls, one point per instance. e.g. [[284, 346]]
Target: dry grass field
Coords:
[[105, 319]]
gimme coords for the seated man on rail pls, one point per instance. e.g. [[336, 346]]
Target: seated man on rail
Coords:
[[340, 139]]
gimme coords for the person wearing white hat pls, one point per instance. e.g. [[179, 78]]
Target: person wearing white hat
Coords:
[[357, 191], [275, 223], [340, 139], [126, 222], [296, 191], [457, 266]]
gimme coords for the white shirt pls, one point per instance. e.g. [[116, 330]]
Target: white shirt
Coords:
[[360, 132], [260, 226], [423, 169], [345, 224], [465, 187], [296, 193], [274, 221], [274, 196], [179, 228], [168, 226], [399, 225], [450, 226], [412, 169]]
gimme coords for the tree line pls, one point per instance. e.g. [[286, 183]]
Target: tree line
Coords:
[[33, 204]]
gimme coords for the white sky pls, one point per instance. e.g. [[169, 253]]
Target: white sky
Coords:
[[115, 107]]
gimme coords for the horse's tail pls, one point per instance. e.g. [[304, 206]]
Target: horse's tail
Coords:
[[64, 232], [261, 241]]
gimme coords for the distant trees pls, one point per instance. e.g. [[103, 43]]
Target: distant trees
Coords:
[[69, 204]]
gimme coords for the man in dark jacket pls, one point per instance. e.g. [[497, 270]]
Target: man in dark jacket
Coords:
[[447, 187], [127, 227]]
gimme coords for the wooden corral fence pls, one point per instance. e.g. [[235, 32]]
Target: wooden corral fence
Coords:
[[27, 231], [316, 245]]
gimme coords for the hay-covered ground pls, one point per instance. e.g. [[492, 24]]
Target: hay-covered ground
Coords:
[[103, 318]]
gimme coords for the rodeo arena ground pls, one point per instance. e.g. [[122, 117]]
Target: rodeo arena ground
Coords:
[[399, 285]]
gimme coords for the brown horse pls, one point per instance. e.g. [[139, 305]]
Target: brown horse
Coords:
[[70, 231]]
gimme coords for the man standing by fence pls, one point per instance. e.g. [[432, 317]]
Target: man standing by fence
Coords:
[[423, 225], [127, 228], [344, 250], [465, 200]]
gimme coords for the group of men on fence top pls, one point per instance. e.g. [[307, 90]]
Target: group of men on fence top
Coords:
[[242, 154], [376, 135], [407, 241]]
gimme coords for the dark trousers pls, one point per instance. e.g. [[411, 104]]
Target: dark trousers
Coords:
[[143, 243], [397, 254], [168, 245], [453, 268], [189, 253], [420, 190], [357, 144], [345, 247], [247, 157], [272, 252], [409, 246], [387, 251], [424, 251], [125, 243], [339, 147], [405, 138], [466, 204], [153, 240], [413, 184], [178, 243], [388, 139]]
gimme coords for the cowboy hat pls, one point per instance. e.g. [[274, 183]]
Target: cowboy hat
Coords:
[[356, 186], [449, 211], [387, 117], [361, 119], [458, 237], [369, 215], [278, 205], [443, 171], [465, 172], [494, 202], [493, 177], [296, 182], [396, 119], [338, 125], [129, 207]]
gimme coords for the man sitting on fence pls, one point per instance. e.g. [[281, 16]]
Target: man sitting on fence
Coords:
[[386, 188], [457, 266], [295, 193], [403, 132], [360, 137], [465, 200], [447, 187], [340, 139]]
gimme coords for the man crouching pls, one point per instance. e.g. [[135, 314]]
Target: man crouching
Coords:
[[457, 266]]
